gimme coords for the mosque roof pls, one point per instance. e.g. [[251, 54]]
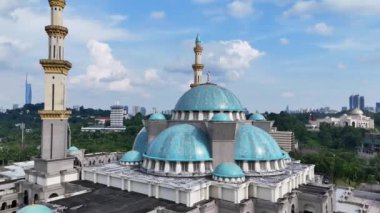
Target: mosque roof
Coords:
[[35, 208], [208, 97], [131, 156], [253, 143], [356, 111], [285, 154], [73, 148], [221, 117], [228, 170], [182, 142], [141, 141], [257, 117], [157, 117]]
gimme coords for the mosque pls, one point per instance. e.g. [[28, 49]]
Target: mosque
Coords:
[[208, 157]]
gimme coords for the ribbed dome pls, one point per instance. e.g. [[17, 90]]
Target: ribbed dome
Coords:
[[73, 149], [35, 208], [157, 117], [221, 117], [356, 111], [181, 142], [131, 156], [252, 143], [228, 170], [141, 141], [257, 117], [208, 97]]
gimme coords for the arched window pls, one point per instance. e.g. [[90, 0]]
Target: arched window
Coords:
[[36, 198], [293, 209], [14, 204], [4, 206], [53, 195], [26, 197]]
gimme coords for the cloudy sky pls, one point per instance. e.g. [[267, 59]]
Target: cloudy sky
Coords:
[[270, 53]]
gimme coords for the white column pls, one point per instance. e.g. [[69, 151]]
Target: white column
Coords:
[[200, 116], [245, 166], [182, 115], [122, 184], [191, 116], [257, 166], [238, 116], [242, 115], [167, 166], [157, 166], [190, 167], [231, 116], [178, 168], [129, 185], [150, 190], [211, 113], [202, 167], [95, 177], [149, 164], [157, 194], [177, 196], [108, 180], [276, 167], [267, 165]]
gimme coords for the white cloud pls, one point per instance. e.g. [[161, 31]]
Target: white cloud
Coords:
[[320, 28], [288, 94], [350, 44], [157, 15], [284, 41], [341, 66], [348, 7], [240, 8], [151, 75], [232, 58], [105, 71]]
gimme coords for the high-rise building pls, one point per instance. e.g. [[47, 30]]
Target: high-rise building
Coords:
[[28, 91], [117, 115], [356, 101], [377, 107], [361, 103], [54, 168], [143, 111]]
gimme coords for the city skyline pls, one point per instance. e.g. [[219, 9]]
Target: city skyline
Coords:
[[129, 51]]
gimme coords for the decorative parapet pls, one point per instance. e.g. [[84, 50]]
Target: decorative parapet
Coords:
[[198, 48], [55, 66], [54, 114], [198, 66], [55, 30], [57, 3]]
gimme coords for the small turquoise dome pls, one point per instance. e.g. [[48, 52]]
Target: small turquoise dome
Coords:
[[132, 156], [228, 170], [208, 97], [221, 117], [253, 143], [285, 155], [182, 142], [73, 148], [35, 208], [257, 117], [157, 117], [141, 141]]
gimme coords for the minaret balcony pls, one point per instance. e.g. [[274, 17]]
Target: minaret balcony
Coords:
[[55, 30], [198, 66], [55, 66], [57, 3], [198, 48], [54, 114]]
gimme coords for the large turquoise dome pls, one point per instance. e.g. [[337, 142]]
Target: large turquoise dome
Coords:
[[35, 208], [182, 142], [141, 141], [208, 97], [253, 143]]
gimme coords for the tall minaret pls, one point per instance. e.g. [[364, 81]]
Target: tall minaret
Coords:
[[55, 116], [197, 66]]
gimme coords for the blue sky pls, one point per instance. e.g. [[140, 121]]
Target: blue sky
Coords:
[[270, 53]]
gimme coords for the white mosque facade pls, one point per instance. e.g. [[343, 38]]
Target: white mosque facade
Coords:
[[355, 118], [207, 157]]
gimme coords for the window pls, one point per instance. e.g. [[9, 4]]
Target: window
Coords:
[[153, 164], [161, 165], [184, 166], [196, 166], [251, 166], [208, 166]]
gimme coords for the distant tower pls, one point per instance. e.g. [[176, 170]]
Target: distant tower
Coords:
[[53, 168], [28, 91], [197, 66]]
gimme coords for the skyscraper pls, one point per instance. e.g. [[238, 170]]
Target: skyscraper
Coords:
[[356, 101], [28, 91], [377, 107]]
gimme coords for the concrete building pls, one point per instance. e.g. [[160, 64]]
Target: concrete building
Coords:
[[370, 146], [355, 118], [53, 169], [377, 107], [117, 116]]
